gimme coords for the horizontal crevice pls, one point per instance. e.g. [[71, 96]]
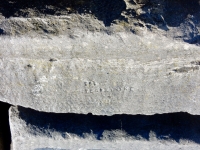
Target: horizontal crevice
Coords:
[[171, 127], [185, 69]]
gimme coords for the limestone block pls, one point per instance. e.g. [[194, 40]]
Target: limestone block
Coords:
[[129, 74]]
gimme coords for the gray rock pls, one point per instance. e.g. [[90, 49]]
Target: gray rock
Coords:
[[174, 19], [130, 74], [48, 131], [104, 58], [71, 56]]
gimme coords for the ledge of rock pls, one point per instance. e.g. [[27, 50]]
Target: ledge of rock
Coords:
[[49, 131], [102, 74], [175, 19]]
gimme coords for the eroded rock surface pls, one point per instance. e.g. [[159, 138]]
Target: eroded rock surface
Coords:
[[177, 19], [49, 131], [100, 74], [104, 57], [100, 57]]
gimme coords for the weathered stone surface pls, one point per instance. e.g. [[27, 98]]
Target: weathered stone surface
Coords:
[[129, 74], [49, 131], [104, 57], [172, 18], [101, 57]]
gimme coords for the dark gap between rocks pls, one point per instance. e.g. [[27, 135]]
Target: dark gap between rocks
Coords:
[[174, 126], [170, 12], [104, 10], [5, 136], [184, 15], [176, 11]]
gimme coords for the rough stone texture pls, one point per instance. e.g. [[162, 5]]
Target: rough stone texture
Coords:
[[35, 130], [101, 57], [100, 74], [177, 19]]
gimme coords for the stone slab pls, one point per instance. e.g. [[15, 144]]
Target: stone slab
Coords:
[[49, 131], [142, 58], [130, 74]]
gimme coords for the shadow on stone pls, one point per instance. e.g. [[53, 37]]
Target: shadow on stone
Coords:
[[5, 136], [175, 126], [1, 32], [176, 11], [194, 40], [169, 12], [104, 10], [182, 15]]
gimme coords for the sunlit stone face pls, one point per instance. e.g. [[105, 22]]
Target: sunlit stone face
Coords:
[[103, 58], [100, 57]]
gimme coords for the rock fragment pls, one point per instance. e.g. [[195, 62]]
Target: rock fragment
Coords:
[[49, 131]]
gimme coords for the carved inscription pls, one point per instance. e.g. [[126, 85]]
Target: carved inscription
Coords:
[[93, 87]]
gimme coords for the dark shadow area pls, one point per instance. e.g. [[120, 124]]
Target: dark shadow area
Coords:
[[176, 11], [169, 12], [184, 15], [194, 40], [5, 136], [174, 126], [1, 32], [104, 10]]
